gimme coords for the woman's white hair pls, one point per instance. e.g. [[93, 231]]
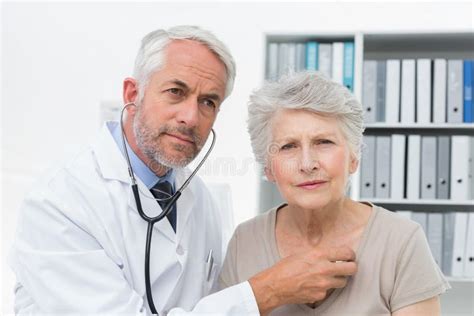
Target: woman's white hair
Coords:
[[150, 57], [307, 90]]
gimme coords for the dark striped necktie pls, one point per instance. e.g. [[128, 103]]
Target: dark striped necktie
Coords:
[[163, 191]]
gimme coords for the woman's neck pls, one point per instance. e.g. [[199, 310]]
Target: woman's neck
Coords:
[[317, 226]]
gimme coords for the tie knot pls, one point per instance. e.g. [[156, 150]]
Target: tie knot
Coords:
[[162, 190]]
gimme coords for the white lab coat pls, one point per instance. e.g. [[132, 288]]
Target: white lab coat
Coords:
[[80, 244]]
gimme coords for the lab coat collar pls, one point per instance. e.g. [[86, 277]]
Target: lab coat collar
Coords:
[[113, 166]]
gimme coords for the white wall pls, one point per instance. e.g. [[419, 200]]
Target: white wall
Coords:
[[60, 60]]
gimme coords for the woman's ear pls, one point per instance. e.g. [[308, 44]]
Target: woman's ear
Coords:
[[353, 164], [269, 174]]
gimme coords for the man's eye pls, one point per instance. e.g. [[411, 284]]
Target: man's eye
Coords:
[[209, 103], [176, 91]]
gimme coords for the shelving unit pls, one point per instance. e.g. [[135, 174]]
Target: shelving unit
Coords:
[[383, 46]]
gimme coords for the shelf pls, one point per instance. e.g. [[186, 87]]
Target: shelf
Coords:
[[304, 37], [419, 45], [414, 128], [425, 205]]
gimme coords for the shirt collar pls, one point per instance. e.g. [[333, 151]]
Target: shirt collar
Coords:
[[141, 170]]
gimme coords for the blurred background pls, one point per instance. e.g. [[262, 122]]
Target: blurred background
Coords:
[[63, 65]]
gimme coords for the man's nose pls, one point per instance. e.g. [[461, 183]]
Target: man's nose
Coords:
[[188, 113]]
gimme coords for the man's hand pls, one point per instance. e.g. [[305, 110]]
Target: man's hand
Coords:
[[303, 278]]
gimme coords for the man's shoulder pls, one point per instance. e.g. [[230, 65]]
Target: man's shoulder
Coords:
[[67, 176]]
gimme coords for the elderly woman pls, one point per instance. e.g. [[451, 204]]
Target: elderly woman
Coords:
[[307, 131]]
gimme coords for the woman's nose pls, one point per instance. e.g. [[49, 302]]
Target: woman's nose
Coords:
[[309, 161]]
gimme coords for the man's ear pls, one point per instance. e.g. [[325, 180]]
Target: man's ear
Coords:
[[130, 90], [269, 174]]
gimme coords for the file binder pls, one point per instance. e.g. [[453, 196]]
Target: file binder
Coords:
[[392, 91], [461, 167], [459, 244], [367, 170], [439, 91], [397, 183], [428, 167], [369, 93], [413, 168], [423, 91], [448, 241], [338, 62], [444, 164], [468, 270], [455, 86], [382, 165], [408, 91]]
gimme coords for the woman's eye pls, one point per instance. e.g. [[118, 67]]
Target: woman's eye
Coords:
[[287, 146], [325, 141]]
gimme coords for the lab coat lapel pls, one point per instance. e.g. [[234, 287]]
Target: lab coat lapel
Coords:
[[186, 202], [112, 165]]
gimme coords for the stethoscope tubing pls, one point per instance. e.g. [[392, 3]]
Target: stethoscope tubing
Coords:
[[152, 220]]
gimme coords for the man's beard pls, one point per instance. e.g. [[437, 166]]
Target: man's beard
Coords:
[[149, 142]]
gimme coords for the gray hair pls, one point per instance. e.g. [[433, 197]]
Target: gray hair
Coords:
[[150, 57], [307, 90]]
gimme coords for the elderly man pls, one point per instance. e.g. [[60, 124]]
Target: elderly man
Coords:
[[80, 241]]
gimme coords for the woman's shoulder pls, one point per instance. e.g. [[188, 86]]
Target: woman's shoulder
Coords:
[[394, 220], [393, 225]]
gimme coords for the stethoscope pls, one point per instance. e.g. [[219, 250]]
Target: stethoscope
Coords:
[[152, 220]]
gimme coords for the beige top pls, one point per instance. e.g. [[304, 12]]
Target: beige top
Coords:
[[395, 266]]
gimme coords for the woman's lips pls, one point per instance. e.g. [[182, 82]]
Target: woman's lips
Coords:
[[310, 185]]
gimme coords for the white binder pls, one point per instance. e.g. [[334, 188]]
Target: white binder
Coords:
[[423, 90], [455, 91], [397, 179], [367, 170], [392, 91], [439, 91], [413, 168], [448, 241], [382, 165], [325, 59], [407, 105], [469, 252], [283, 53], [300, 57], [272, 62], [461, 167], [369, 91], [291, 57], [428, 167], [338, 62], [459, 244]]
